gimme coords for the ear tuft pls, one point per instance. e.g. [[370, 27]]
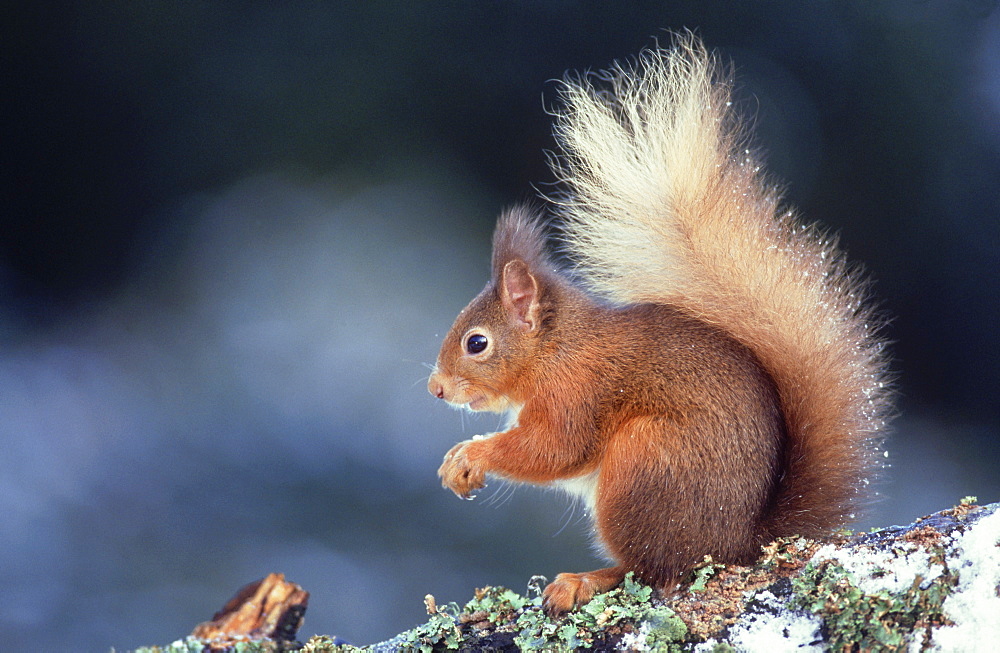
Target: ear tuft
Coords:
[[519, 236]]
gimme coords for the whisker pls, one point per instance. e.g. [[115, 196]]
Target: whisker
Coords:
[[494, 497], [413, 361], [567, 516], [503, 494]]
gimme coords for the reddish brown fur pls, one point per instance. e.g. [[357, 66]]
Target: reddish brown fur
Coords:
[[726, 391], [681, 421]]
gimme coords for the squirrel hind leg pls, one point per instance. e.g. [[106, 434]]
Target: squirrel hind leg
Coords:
[[570, 591], [661, 508]]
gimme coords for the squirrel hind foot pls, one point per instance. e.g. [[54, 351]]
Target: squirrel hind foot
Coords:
[[569, 591]]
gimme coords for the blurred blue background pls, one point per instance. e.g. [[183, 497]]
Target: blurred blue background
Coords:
[[234, 233]]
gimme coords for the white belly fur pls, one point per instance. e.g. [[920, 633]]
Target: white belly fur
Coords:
[[582, 487]]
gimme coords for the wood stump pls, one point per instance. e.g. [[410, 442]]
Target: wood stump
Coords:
[[270, 608]]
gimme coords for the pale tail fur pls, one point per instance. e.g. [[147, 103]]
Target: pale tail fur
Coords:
[[664, 204]]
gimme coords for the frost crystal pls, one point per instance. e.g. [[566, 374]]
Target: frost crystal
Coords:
[[975, 605], [893, 571]]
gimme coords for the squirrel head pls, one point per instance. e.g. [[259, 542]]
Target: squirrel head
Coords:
[[495, 339]]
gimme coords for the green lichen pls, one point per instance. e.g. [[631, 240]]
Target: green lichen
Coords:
[[189, 645], [703, 573], [626, 609], [324, 644], [195, 645], [441, 631], [883, 621], [498, 616], [451, 627], [723, 647]]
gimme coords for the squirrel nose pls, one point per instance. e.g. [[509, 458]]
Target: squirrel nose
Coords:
[[435, 388]]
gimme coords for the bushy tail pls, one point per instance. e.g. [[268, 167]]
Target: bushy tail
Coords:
[[664, 204]]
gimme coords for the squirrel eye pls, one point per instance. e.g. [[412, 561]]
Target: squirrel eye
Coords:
[[476, 343]]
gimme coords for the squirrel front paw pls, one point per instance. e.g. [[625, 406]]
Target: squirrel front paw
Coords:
[[461, 472]]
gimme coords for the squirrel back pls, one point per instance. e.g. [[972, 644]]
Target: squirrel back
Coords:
[[665, 204]]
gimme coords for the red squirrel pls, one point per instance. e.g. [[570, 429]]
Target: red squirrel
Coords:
[[707, 373]]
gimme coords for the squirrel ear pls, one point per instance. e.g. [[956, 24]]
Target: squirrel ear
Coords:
[[519, 294]]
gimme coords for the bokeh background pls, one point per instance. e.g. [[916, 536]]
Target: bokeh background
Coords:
[[233, 235]]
